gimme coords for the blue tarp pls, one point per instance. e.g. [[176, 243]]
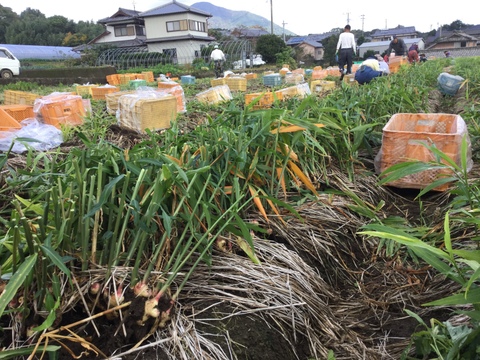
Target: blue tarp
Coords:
[[41, 52]]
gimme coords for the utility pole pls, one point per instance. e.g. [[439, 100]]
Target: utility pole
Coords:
[[284, 23], [386, 24], [348, 18], [363, 20], [271, 16]]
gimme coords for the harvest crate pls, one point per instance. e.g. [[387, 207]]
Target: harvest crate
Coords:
[[217, 82], [135, 84], [272, 80], [250, 76], [167, 84], [333, 71], [84, 89], [395, 62], [299, 71], [403, 140], [139, 112], [294, 78], [125, 79], [19, 112], [113, 79], [300, 90], [113, 98], [179, 94], [319, 86], [262, 100], [60, 109], [237, 83], [188, 79], [7, 123], [11, 97], [319, 74], [215, 95], [349, 79], [99, 92]]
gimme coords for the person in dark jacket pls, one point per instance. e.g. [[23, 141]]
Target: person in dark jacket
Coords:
[[398, 46], [369, 70]]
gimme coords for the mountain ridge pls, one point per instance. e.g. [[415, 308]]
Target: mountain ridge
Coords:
[[223, 18]]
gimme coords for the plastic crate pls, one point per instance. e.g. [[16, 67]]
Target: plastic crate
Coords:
[[251, 76], [272, 80], [113, 79], [148, 76], [237, 83], [113, 98], [319, 74], [320, 86], [135, 84], [215, 95], [19, 112], [188, 79], [12, 97], [60, 109], [349, 79], [404, 138], [7, 123], [84, 90], [217, 82], [294, 78], [146, 111], [449, 84], [99, 92], [395, 63], [179, 94], [262, 100], [300, 91]]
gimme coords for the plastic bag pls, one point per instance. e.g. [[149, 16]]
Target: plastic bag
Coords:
[[33, 134]]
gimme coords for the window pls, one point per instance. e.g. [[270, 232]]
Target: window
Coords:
[[463, 44], [124, 31], [197, 25], [140, 30], [180, 25]]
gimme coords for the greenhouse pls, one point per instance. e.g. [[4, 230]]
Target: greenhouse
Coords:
[[40, 52]]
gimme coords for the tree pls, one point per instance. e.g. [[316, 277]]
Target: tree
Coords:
[[268, 46], [7, 17], [329, 49]]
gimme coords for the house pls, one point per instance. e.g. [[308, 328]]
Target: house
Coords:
[[379, 47], [174, 29], [454, 40], [311, 44], [123, 29], [403, 32], [178, 30]]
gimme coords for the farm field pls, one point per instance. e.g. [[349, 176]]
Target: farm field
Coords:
[[246, 233]]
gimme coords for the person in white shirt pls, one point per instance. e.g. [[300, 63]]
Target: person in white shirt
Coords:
[[347, 47], [218, 57]]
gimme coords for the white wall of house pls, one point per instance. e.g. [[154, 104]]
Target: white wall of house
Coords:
[[112, 37], [186, 51], [156, 27]]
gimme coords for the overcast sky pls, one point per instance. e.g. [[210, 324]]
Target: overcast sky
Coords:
[[300, 16]]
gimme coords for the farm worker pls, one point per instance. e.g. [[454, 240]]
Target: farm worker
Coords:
[[218, 57], [413, 53], [397, 45], [447, 53], [382, 64], [347, 47], [369, 70]]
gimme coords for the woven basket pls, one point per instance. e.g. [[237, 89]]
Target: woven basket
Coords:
[[140, 113]]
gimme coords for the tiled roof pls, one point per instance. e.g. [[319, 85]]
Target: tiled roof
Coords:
[[396, 31], [386, 43], [173, 8], [312, 37], [121, 15], [312, 43]]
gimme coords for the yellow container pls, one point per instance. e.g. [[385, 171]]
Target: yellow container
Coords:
[[320, 86], [215, 95], [12, 97], [237, 83]]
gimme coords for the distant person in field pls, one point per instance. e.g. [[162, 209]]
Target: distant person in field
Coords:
[[218, 57], [413, 53], [447, 53], [346, 48], [398, 46]]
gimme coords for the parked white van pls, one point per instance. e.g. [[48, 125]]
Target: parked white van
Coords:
[[9, 64]]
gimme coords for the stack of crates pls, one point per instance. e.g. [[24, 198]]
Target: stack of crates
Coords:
[[113, 79], [99, 92], [404, 139], [84, 90], [272, 80]]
